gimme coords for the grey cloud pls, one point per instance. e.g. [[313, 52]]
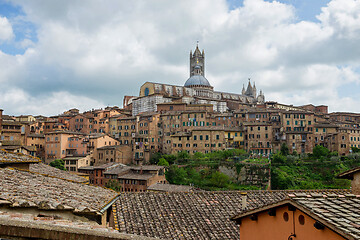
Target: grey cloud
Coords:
[[101, 51]]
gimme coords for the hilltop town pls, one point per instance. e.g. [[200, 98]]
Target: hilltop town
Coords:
[[125, 149]]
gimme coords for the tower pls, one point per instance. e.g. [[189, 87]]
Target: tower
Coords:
[[254, 91], [197, 59]]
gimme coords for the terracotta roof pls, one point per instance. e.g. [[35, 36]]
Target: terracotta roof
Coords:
[[190, 215], [111, 147], [341, 214], [136, 176], [121, 168], [148, 167], [181, 134], [161, 187], [108, 165], [27, 189], [49, 171], [7, 157], [37, 135], [23, 225], [349, 174]]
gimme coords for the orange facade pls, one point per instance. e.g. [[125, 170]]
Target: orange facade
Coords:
[[279, 227]]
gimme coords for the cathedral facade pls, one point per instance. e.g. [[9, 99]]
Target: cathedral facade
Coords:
[[196, 90]]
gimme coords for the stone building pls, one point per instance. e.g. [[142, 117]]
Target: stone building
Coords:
[[11, 132], [114, 153], [196, 90], [259, 138]]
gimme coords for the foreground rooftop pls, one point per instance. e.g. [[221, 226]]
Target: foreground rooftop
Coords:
[[21, 188], [193, 215]]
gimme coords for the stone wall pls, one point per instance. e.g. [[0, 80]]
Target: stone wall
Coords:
[[248, 173]]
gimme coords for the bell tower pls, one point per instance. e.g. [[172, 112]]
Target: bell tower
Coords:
[[197, 62]]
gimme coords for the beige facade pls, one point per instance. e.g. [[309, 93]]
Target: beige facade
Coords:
[[109, 154], [72, 164], [200, 139], [259, 138], [298, 127], [11, 133], [95, 141]]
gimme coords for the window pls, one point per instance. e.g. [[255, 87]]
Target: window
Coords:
[[217, 137], [146, 92]]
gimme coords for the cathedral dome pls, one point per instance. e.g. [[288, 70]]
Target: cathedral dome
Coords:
[[197, 80]]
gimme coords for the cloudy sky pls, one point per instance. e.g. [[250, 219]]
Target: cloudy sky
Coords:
[[56, 55]]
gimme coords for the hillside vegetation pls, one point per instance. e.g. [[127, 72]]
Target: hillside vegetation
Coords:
[[288, 171]]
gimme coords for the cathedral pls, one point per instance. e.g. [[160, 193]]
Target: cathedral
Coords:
[[196, 90]]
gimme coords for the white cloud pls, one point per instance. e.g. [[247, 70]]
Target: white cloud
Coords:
[[105, 51], [6, 31], [51, 103]]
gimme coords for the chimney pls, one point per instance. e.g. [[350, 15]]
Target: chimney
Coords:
[[243, 200]]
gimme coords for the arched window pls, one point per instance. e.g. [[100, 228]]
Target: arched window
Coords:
[[146, 91]]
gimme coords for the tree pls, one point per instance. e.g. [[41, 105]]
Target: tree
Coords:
[[182, 156], [163, 162], [176, 175], [114, 185], [154, 159], [219, 179], [355, 149], [320, 151], [198, 155], [58, 163], [284, 150], [170, 158], [278, 158]]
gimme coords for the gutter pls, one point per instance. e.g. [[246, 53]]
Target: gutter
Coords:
[[109, 204]]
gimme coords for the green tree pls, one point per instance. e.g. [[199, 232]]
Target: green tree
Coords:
[[183, 156], [176, 175], [198, 156], [58, 163], [320, 152], [154, 159], [163, 162], [113, 184], [219, 179], [284, 150], [278, 158], [355, 149], [170, 158]]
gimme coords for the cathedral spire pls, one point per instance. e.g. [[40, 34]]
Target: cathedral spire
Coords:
[[197, 62]]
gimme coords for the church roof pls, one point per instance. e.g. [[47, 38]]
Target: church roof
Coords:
[[249, 90], [197, 80]]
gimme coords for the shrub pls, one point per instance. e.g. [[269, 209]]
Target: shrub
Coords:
[[58, 163]]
